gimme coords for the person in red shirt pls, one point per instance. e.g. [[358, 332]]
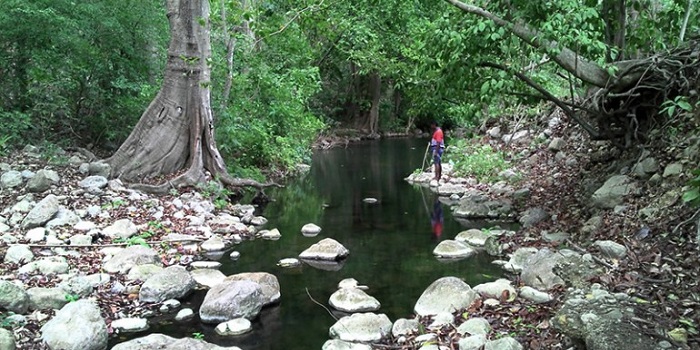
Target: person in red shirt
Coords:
[[437, 146]]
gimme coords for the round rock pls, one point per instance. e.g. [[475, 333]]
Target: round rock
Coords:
[[362, 327], [236, 326], [310, 229], [353, 300], [130, 325]]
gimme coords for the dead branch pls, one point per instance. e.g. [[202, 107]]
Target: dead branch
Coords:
[[569, 112], [179, 240], [595, 258]]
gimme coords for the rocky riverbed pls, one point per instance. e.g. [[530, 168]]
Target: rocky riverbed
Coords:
[[593, 254], [600, 259], [85, 258]]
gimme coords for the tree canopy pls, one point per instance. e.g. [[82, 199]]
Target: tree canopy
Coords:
[[284, 70]]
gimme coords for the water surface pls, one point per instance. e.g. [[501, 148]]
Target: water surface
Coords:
[[390, 243]]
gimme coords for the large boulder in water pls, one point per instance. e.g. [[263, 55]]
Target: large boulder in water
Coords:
[[450, 249], [268, 282], [353, 300], [232, 299], [326, 249], [471, 209], [447, 294], [362, 327], [158, 341]]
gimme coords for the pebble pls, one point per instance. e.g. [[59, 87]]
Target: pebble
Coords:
[[205, 265], [169, 305], [184, 315], [129, 325]]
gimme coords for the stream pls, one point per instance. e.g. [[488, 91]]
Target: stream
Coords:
[[390, 243]]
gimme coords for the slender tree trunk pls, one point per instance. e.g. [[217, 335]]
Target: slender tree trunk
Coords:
[[376, 91], [621, 33], [230, 47], [351, 107], [22, 77], [176, 132], [245, 5], [684, 26], [615, 17]]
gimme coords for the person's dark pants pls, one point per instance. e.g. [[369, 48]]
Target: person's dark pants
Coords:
[[437, 156]]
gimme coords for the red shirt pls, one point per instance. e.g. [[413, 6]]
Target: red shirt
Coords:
[[438, 138]]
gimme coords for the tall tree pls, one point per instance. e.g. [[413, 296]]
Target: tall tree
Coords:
[[176, 132], [628, 93]]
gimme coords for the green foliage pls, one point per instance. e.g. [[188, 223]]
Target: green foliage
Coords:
[[81, 71], [478, 160], [197, 335], [142, 237], [692, 193], [135, 240], [53, 153], [6, 322], [266, 121], [680, 103], [217, 193], [85, 71], [14, 125], [156, 225], [72, 297], [114, 204]]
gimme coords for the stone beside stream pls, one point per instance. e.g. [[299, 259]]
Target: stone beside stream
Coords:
[[87, 246]]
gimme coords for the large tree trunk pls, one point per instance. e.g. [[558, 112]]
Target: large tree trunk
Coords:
[[176, 132]]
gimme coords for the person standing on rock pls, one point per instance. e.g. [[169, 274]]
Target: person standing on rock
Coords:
[[437, 146]]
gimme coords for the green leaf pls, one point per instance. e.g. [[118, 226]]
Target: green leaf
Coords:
[[485, 87], [691, 195], [684, 105]]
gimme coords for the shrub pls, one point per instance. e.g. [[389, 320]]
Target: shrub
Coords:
[[477, 160]]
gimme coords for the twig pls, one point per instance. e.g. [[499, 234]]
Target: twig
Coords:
[[110, 244], [587, 127], [685, 222], [296, 15], [319, 304], [595, 258]]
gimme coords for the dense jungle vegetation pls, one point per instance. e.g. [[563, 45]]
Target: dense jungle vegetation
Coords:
[[283, 71]]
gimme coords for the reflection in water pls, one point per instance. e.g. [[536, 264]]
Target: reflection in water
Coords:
[[437, 219]]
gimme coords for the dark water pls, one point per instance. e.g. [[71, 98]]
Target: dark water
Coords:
[[390, 244]]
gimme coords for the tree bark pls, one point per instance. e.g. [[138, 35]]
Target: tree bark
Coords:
[[376, 90], [614, 14], [176, 132], [566, 58], [230, 48], [684, 26]]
